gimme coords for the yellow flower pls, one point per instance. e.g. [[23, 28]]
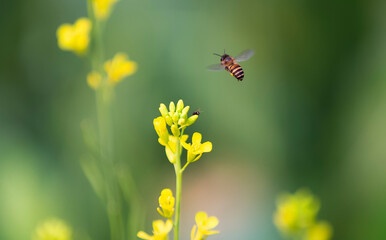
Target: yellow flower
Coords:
[[74, 37], [166, 202], [102, 8], [296, 212], [204, 226], [163, 133], [177, 115], [119, 67], [53, 229], [94, 80], [160, 230], [196, 149], [319, 231]]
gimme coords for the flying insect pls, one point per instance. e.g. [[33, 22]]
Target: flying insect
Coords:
[[231, 65]]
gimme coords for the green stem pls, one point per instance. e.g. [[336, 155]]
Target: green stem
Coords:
[[177, 168], [186, 164]]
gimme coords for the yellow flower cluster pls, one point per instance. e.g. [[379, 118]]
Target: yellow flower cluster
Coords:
[[204, 226], [53, 229], [102, 8], [160, 228], [296, 216], [177, 118], [74, 37]]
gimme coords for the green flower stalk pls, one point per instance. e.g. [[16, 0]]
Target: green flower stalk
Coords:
[[113, 186], [176, 117]]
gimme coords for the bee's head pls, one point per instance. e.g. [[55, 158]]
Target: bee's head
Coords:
[[225, 57]]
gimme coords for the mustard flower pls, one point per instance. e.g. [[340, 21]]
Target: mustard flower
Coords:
[[319, 231], [196, 149], [160, 230], [94, 80], [53, 229], [177, 115], [296, 212], [74, 37], [102, 8], [204, 226], [119, 67], [166, 202]]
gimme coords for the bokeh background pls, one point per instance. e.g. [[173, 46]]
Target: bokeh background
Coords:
[[311, 112]]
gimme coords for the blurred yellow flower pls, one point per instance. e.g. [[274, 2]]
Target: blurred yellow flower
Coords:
[[196, 149], [166, 202], [53, 229], [74, 37], [102, 8], [319, 231], [94, 80], [119, 67], [296, 212], [160, 230], [204, 226]]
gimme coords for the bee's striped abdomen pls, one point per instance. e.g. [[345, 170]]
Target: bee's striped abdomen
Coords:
[[236, 71]]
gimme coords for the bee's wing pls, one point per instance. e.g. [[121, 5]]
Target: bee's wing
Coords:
[[244, 56], [216, 67]]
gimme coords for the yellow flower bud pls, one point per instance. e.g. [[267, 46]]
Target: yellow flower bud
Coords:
[[175, 117], [191, 120], [94, 80], [163, 110], [175, 130], [180, 105], [181, 121], [172, 108], [169, 120], [166, 202], [184, 112]]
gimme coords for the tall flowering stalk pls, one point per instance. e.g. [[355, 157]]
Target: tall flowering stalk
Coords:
[[112, 183], [177, 119]]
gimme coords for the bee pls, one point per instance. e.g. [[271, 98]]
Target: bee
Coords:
[[231, 64]]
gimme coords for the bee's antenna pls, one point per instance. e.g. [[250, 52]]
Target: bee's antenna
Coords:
[[224, 50], [217, 54]]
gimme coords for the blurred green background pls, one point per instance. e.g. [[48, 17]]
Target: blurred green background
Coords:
[[311, 112]]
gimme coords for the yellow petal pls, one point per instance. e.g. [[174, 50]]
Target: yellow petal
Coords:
[[196, 139], [201, 218], [144, 235], [170, 155], [212, 222], [193, 233], [206, 147]]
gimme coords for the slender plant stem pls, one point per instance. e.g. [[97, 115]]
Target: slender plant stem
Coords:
[[177, 168]]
